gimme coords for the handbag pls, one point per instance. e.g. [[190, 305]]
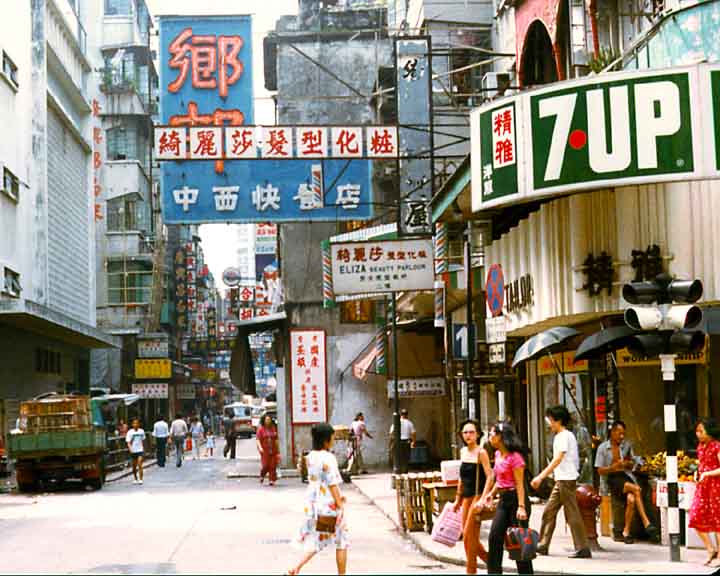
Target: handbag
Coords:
[[448, 527], [487, 512], [521, 543], [326, 523]]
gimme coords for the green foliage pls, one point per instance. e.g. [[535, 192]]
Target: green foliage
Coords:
[[602, 60]]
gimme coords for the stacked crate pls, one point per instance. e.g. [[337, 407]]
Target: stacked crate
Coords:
[[410, 501], [55, 413]]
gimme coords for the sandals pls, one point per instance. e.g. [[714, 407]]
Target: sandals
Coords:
[[711, 558]]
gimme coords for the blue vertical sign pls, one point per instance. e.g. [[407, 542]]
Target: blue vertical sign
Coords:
[[206, 82]]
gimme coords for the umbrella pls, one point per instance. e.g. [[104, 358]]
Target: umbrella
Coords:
[[542, 342], [605, 341]]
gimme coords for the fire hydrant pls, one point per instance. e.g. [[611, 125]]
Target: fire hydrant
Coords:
[[588, 501]]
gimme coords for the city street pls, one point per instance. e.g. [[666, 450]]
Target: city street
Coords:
[[190, 520]]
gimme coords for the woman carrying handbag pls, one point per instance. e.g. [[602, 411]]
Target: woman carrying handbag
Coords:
[[474, 475], [513, 508]]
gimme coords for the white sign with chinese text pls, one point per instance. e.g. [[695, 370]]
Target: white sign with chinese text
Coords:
[[383, 266], [309, 376], [413, 387], [151, 390], [155, 348]]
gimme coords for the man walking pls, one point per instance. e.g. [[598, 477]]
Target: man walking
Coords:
[[161, 433], [230, 437], [359, 430], [178, 432], [565, 464], [135, 438], [407, 440]]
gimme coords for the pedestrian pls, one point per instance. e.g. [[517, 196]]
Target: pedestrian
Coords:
[[135, 438], [178, 432], [230, 437], [161, 431], [513, 508], [197, 433], [359, 430], [122, 428], [324, 523], [266, 439], [615, 460], [564, 467], [475, 473], [407, 440], [209, 443], [704, 511]]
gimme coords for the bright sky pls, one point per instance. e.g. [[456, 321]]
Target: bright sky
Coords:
[[219, 241]]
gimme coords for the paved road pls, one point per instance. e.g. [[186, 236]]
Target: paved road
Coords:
[[178, 521]]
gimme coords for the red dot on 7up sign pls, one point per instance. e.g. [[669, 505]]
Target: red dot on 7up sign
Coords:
[[630, 128]]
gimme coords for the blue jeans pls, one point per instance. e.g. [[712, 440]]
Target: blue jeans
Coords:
[[161, 447], [179, 442]]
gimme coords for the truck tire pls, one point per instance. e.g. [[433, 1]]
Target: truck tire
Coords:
[[26, 487], [97, 483]]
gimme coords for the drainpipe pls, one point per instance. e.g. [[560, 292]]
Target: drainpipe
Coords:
[[592, 8]]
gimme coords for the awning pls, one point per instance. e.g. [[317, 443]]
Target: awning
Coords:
[[361, 367], [31, 317], [382, 232], [126, 399], [453, 200], [262, 323]]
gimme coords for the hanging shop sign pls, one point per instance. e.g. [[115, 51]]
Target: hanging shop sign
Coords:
[[185, 392], [153, 348], [644, 128], [266, 238], [309, 376], [417, 387], [145, 369], [383, 266], [151, 390], [627, 359], [217, 167], [231, 276]]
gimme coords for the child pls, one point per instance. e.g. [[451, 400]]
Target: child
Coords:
[[210, 445]]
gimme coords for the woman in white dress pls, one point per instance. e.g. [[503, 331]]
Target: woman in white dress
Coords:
[[324, 503]]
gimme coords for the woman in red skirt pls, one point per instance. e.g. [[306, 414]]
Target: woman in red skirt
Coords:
[[267, 443], [705, 508]]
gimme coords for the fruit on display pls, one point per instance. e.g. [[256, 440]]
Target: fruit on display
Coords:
[[655, 466]]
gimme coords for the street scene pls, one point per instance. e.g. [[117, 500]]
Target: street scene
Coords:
[[360, 286]]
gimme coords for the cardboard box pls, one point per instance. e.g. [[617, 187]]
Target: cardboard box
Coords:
[[450, 471]]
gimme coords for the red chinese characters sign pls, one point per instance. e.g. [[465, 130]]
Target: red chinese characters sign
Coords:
[[309, 376]]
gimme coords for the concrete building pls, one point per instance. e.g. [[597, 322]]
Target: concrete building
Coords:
[[47, 213], [129, 242]]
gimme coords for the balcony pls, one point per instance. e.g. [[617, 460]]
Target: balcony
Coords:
[[126, 177], [126, 23]]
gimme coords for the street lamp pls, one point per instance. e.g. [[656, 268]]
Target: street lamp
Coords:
[[668, 330]]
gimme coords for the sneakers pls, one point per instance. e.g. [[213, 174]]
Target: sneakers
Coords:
[[136, 481], [139, 481]]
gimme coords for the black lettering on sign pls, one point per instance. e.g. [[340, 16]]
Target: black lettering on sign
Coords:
[[519, 293]]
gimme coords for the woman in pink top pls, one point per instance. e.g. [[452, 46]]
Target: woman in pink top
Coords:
[[509, 481]]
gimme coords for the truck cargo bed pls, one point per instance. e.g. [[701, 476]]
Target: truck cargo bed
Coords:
[[56, 443]]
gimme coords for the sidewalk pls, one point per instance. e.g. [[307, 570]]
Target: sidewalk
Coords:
[[618, 558]]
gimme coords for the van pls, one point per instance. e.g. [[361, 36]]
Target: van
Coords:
[[241, 416]]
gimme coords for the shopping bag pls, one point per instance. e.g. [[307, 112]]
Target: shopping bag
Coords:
[[521, 543], [448, 527], [188, 444]]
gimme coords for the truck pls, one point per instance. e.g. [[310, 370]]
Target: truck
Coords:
[[59, 437]]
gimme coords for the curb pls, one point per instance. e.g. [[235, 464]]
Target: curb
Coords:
[[290, 473]]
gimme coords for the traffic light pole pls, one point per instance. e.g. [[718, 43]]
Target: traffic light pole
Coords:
[[671, 468]]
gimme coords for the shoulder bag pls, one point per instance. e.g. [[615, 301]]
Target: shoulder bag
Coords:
[[521, 543], [487, 512], [326, 524]]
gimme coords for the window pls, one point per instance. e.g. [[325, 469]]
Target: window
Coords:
[[10, 70], [118, 7], [129, 283], [122, 143], [11, 284], [48, 361], [11, 185], [121, 215], [357, 312]]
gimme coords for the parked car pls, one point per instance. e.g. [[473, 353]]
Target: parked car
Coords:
[[257, 414], [241, 416]]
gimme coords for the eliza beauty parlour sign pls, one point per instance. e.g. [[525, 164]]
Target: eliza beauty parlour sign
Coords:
[[612, 130], [384, 266]]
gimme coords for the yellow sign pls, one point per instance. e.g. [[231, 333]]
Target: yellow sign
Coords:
[[153, 369], [626, 359], [564, 360]]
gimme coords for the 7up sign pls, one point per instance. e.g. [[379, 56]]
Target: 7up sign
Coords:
[[623, 129]]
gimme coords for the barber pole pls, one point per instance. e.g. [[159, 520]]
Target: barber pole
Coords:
[[328, 294], [380, 348], [440, 239], [439, 304], [317, 185]]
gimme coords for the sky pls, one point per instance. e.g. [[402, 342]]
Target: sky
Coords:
[[219, 241]]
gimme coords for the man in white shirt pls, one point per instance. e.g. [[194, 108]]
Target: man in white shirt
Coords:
[[135, 438], [178, 433], [565, 464], [161, 431], [407, 440], [360, 430]]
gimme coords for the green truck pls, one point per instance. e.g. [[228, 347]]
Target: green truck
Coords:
[[59, 437]]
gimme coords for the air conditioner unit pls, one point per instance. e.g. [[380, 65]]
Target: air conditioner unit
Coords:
[[11, 283], [494, 84]]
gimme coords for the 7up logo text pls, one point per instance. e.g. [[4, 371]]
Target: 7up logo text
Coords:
[[616, 130]]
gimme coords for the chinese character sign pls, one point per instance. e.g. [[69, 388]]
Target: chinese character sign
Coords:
[[309, 376]]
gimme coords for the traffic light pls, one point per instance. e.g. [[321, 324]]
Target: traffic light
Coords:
[[673, 326]]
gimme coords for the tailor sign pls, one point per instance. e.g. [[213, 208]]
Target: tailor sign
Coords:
[[217, 168], [616, 129]]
